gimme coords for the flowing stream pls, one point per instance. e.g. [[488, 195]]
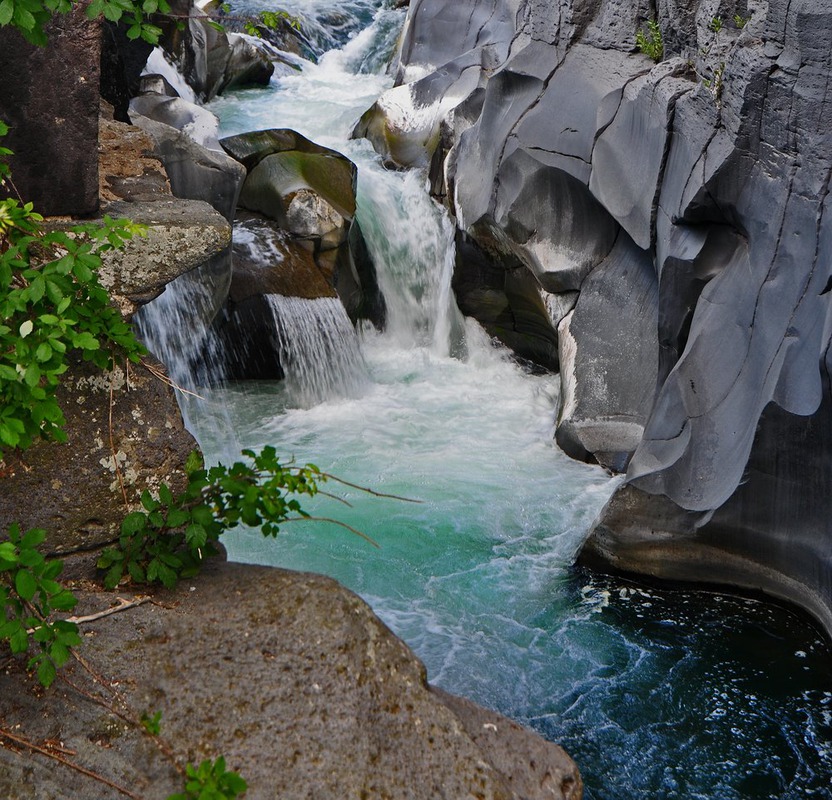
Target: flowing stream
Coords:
[[655, 694]]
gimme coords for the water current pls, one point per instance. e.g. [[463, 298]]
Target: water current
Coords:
[[655, 694]]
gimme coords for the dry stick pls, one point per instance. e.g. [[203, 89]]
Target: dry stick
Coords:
[[157, 373], [123, 605], [366, 489], [335, 522], [83, 770]]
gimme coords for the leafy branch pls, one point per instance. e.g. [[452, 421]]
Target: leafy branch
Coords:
[[29, 594], [52, 306], [173, 534]]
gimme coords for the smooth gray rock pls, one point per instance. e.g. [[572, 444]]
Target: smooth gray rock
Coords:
[[717, 163], [506, 299], [211, 60], [609, 359], [195, 171]]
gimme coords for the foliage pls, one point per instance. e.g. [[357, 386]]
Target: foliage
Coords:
[[171, 537], [152, 724], [51, 306], [715, 24], [29, 593], [650, 41], [741, 21], [211, 781], [30, 16], [270, 20]]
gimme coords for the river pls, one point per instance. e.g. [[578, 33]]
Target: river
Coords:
[[656, 694]]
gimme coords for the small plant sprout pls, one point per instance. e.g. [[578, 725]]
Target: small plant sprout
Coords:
[[741, 21], [715, 25], [650, 41]]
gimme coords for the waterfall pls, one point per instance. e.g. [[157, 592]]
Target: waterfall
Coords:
[[414, 267], [318, 349]]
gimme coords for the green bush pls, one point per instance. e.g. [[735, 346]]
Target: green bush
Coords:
[[174, 534]]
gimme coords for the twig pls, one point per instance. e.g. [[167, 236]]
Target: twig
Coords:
[[335, 497], [368, 490], [123, 605], [83, 770], [157, 373], [338, 523]]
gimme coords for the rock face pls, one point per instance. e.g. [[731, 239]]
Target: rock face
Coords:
[[124, 435], [211, 60], [50, 101], [687, 205], [296, 237], [302, 689]]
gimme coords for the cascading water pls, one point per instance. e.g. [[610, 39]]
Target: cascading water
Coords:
[[661, 695], [318, 349]]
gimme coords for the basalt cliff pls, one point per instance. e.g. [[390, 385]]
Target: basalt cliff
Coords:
[[661, 231]]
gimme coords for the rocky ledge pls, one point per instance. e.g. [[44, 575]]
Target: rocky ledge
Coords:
[[290, 676]]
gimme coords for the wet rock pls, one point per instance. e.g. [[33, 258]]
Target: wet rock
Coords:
[[211, 60], [505, 298], [271, 185], [609, 359], [181, 235], [308, 191], [318, 685]]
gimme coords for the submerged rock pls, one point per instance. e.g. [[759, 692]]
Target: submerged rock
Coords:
[[312, 696]]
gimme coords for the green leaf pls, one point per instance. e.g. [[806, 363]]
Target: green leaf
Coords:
[[196, 535], [6, 11], [19, 641], [33, 538], [46, 673], [25, 584], [133, 523]]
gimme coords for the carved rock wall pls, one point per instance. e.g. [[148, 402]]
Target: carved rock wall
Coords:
[[712, 170]]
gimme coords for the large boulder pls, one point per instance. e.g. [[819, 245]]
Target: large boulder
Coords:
[[180, 236], [308, 192], [291, 678], [186, 144]]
